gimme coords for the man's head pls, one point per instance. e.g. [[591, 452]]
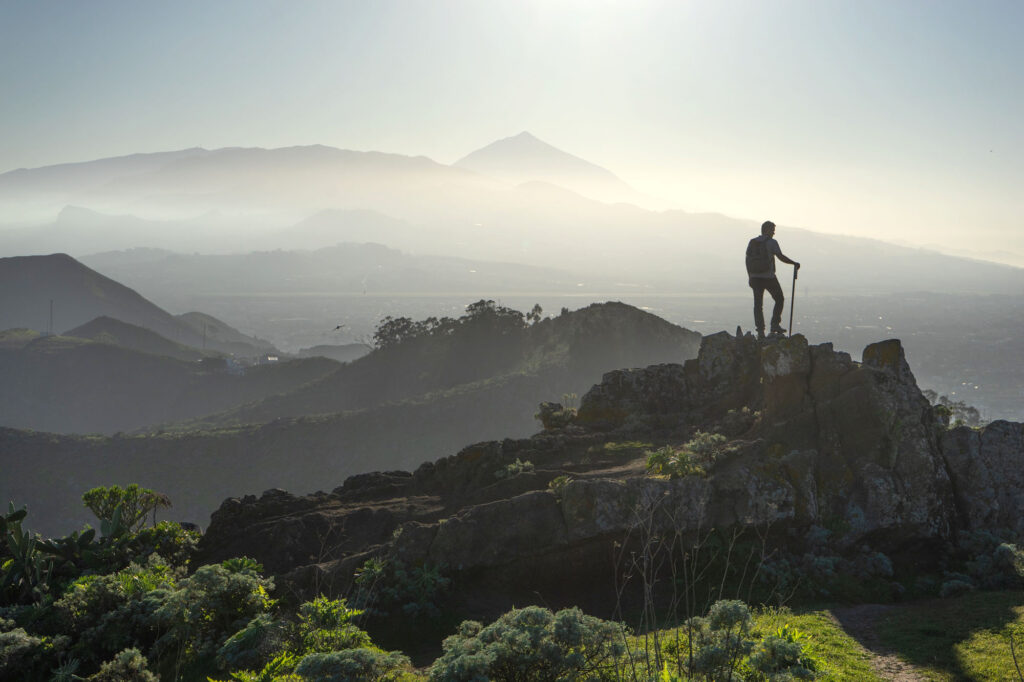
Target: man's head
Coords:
[[768, 228]]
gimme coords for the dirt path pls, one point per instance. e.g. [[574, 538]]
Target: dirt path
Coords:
[[859, 622]]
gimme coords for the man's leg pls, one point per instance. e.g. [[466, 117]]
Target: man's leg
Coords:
[[775, 289], [757, 284]]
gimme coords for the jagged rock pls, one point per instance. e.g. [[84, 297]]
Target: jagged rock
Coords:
[[816, 440], [987, 467]]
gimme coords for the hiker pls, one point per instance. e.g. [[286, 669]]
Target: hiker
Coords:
[[761, 254]]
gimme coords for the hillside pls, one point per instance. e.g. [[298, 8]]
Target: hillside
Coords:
[[66, 384], [419, 415], [339, 353], [118, 333], [78, 294], [560, 355]]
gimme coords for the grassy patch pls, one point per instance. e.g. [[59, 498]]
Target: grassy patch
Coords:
[[965, 638], [840, 656], [843, 658], [627, 447]]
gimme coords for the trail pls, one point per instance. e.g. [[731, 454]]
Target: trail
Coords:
[[859, 622]]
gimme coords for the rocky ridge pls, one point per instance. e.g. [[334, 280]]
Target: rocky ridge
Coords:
[[814, 440]]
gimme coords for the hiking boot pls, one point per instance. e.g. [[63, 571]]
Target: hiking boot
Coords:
[[760, 335], [778, 330]]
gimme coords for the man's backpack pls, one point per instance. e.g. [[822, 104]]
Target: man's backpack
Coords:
[[759, 259]]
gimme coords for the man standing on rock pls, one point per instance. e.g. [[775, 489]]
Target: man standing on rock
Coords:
[[761, 254]]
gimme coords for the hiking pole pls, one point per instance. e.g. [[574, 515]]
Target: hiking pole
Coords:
[[792, 301]]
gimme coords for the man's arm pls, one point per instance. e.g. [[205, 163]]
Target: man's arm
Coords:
[[786, 260]]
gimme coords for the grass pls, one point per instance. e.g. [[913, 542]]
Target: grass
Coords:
[[626, 447], [965, 638], [843, 658]]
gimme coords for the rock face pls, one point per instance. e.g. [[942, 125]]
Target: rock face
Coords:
[[814, 439]]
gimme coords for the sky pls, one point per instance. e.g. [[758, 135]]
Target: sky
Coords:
[[895, 119]]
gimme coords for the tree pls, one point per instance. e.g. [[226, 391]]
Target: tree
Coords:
[[135, 504]]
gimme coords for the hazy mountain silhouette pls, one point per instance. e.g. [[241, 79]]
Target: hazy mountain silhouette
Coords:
[[79, 294], [252, 198], [343, 268], [524, 158]]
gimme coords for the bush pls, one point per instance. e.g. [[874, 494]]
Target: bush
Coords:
[[514, 469], [352, 665], [992, 562], [558, 484], [384, 585], [673, 463], [17, 647], [128, 666], [208, 607], [692, 458], [255, 645], [109, 613], [325, 625], [784, 655], [530, 644], [721, 640]]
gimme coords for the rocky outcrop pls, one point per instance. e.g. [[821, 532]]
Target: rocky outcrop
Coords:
[[815, 439]]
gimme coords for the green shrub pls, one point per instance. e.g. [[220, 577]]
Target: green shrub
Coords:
[[990, 560], [255, 645], [558, 483], [785, 655], [530, 644], [352, 665], [514, 469], [128, 666], [279, 669], [385, 585], [667, 461], [109, 613], [17, 649], [692, 458], [325, 625], [721, 640], [208, 607]]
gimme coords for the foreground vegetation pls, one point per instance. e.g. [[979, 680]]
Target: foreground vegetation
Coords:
[[127, 604]]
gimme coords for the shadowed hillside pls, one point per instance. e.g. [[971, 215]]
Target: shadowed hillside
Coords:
[[66, 384], [78, 294], [417, 400], [560, 355], [108, 330]]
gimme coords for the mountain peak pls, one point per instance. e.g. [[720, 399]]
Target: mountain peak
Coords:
[[526, 158]]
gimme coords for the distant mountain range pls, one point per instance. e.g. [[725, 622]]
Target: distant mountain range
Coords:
[[519, 200]]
